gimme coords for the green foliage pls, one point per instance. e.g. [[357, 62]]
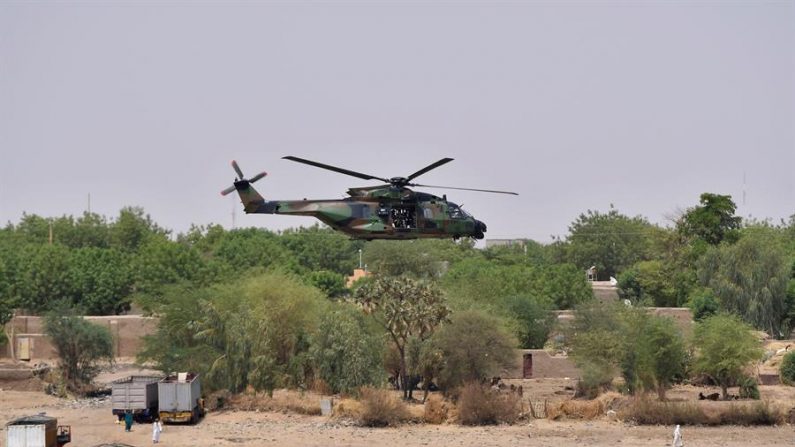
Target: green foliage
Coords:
[[749, 389], [787, 368], [396, 258], [712, 221], [703, 304], [725, 346], [346, 354], [610, 241], [751, 279], [254, 331], [406, 309], [101, 280], [532, 321], [322, 249], [81, 347], [649, 282], [473, 346], [649, 351], [330, 283]]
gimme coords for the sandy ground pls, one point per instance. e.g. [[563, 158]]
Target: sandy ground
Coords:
[[93, 424]]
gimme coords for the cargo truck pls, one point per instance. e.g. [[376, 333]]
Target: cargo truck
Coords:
[[37, 431], [179, 397], [137, 394]]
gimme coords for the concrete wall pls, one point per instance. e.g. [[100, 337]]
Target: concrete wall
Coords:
[[127, 331], [544, 366]]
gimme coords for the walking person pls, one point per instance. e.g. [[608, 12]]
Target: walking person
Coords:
[[157, 427], [128, 420]]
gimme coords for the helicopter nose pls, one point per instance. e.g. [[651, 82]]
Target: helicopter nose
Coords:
[[480, 229]]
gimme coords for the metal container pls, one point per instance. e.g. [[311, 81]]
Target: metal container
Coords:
[[137, 394], [180, 398], [32, 431]]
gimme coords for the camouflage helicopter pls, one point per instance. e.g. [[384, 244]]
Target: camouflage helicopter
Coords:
[[388, 211]]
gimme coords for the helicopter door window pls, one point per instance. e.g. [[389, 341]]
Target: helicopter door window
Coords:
[[427, 213], [403, 217]]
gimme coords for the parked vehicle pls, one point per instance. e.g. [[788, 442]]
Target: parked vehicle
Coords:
[[180, 399], [37, 431], [137, 394]]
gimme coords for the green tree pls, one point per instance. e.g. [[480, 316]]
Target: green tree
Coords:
[[787, 368], [405, 308], [322, 249], [649, 282], [396, 258], [253, 331], [611, 241], [347, 355], [750, 278], [725, 347], [713, 220], [532, 321], [331, 283], [660, 353], [81, 346], [133, 228], [101, 280], [471, 347]]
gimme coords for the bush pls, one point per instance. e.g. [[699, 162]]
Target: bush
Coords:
[[479, 405], [81, 347], [437, 410], [787, 370], [576, 409], [473, 345], [285, 401], [345, 354], [749, 389], [381, 408], [648, 412], [758, 413]]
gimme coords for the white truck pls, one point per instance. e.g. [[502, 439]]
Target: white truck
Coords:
[[37, 431]]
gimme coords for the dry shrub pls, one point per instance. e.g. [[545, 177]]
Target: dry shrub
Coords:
[[218, 400], [287, 401], [576, 409], [320, 386], [757, 413], [381, 408], [437, 410], [348, 409], [648, 412], [479, 405]]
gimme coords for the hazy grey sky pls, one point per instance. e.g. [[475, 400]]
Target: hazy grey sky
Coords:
[[574, 105]]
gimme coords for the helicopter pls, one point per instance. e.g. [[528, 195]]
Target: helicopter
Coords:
[[387, 211]]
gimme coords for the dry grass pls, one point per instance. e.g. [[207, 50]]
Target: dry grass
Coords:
[[285, 401], [381, 408], [479, 405], [437, 410], [576, 409], [649, 412]]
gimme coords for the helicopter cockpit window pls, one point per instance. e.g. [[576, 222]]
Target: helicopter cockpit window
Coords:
[[455, 211]]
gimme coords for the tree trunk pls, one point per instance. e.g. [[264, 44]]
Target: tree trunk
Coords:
[[404, 381], [426, 386], [725, 391], [661, 393]]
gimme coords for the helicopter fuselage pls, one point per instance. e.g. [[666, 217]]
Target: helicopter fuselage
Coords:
[[372, 213]]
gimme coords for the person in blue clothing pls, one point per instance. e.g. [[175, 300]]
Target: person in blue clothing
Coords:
[[128, 420]]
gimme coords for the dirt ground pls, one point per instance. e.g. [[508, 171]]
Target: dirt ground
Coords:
[[92, 424]]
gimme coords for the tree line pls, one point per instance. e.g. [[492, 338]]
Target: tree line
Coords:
[[254, 308]]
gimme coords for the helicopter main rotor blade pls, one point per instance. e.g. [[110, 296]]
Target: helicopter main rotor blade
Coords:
[[237, 170], [335, 169], [465, 189], [428, 168]]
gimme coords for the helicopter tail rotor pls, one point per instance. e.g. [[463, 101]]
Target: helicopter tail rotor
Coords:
[[241, 182]]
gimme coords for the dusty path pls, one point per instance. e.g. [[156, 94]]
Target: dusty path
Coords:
[[93, 424]]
